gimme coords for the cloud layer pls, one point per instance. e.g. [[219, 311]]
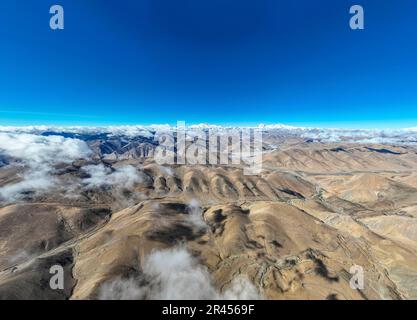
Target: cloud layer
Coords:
[[99, 176], [389, 136], [38, 155], [195, 214], [36, 149], [174, 274]]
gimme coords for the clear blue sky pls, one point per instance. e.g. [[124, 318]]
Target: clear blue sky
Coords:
[[216, 61]]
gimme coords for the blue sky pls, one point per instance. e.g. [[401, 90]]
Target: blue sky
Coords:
[[218, 61]]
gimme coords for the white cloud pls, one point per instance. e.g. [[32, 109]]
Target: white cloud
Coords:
[[121, 289], [174, 274], [241, 289], [99, 175], [166, 170], [399, 136], [38, 155], [128, 131], [119, 179], [19, 257], [195, 214], [33, 181], [36, 149]]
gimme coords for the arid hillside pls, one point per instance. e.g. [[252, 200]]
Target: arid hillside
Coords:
[[125, 227]]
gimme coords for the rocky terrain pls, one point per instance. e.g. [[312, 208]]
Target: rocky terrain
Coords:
[[125, 227]]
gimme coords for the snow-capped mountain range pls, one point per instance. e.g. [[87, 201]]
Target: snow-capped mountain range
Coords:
[[382, 136]]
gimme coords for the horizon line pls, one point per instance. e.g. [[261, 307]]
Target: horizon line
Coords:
[[278, 125]]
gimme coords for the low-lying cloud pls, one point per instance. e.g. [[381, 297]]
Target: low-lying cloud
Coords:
[[100, 175], [36, 149], [397, 136], [174, 274], [120, 182], [32, 181], [38, 155], [195, 214]]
